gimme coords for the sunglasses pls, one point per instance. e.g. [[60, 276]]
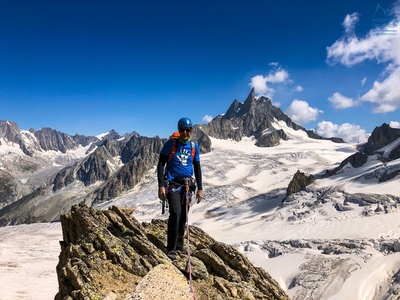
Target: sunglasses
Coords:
[[185, 130]]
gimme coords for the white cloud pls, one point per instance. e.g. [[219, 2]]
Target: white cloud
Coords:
[[350, 22], [299, 88], [381, 44], [350, 133], [300, 112], [207, 118], [341, 102], [351, 50], [260, 82], [279, 76], [363, 81], [327, 129], [394, 124], [385, 95]]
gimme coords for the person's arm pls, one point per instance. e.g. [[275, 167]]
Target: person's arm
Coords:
[[199, 180], [162, 161], [197, 175]]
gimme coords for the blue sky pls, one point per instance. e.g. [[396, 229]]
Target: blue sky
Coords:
[[86, 67]]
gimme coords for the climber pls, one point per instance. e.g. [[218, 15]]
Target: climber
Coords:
[[179, 161]]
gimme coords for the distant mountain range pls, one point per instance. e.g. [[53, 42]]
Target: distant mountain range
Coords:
[[44, 172]]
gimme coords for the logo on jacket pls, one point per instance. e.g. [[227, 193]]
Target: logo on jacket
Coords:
[[183, 156]]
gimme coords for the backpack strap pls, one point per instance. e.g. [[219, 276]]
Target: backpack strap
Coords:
[[193, 145], [173, 150]]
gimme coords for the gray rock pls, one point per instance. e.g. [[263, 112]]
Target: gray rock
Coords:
[[299, 183], [380, 137], [110, 254]]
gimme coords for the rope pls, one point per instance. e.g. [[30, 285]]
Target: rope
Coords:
[[188, 196]]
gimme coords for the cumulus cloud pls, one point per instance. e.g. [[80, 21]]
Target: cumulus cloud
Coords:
[[350, 50], [299, 88], [341, 102], [381, 44], [350, 133], [350, 22], [207, 118], [385, 95], [260, 82], [300, 112], [394, 124]]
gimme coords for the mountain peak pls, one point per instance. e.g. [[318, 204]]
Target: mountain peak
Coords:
[[254, 117], [381, 136]]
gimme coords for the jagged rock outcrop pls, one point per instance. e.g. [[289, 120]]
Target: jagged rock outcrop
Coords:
[[143, 159], [110, 255], [135, 147], [380, 137], [299, 183], [50, 139], [11, 132], [95, 167], [356, 160], [202, 139], [272, 139]]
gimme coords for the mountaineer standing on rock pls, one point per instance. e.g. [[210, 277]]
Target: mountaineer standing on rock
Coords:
[[179, 161]]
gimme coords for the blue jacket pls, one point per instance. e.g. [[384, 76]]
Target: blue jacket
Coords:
[[181, 164]]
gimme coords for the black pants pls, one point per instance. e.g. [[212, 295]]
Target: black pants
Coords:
[[177, 217]]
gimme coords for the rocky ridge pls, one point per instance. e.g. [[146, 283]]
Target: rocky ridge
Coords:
[[382, 145], [99, 176], [32, 159], [110, 255]]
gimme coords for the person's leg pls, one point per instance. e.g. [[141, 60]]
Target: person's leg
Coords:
[[182, 223], [175, 207]]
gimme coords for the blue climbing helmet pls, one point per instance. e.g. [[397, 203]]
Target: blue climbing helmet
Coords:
[[184, 123]]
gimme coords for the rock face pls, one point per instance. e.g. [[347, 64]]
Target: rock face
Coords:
[[356, 160], [110, 255], [50, 139], [299, 183], [8, 188], [382, 136]]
